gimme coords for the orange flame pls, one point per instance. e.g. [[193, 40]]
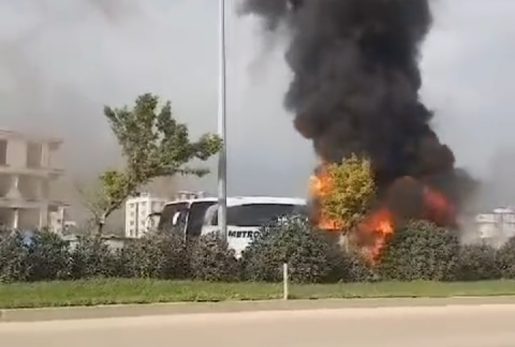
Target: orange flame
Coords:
[[378, 228], [438, 209], [321, 186]]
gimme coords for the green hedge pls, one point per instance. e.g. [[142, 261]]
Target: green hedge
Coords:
[[477, 263], [291, 241], [421, 251], [211, 260], [506, 259], [91, 258], [13, 258], [418, 251]]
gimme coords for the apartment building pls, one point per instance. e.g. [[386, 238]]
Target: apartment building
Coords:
[[27, 168], [140, 214], [496, 226]]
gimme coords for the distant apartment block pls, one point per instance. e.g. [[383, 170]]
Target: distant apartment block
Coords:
[[496, 226], [140, 212], [27, 168]]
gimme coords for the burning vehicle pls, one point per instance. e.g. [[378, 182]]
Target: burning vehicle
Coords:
[[355, 90]]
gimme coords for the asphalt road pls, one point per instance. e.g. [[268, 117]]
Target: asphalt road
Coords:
[[456, 326]]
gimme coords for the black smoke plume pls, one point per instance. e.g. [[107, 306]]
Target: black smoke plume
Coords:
[[356, 85]]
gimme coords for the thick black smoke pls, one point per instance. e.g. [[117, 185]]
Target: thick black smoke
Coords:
[[356, 84]]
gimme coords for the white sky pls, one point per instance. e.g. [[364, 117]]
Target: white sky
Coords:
[[62, 60]]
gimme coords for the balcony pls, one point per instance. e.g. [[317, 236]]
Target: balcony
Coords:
[[39, 172], [20, 154]]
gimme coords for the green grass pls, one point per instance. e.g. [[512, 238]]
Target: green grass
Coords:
[[118, 291]]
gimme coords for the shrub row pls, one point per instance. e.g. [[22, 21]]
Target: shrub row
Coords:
[[418, 251]]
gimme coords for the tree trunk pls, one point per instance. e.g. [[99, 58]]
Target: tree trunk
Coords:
[[101, 223], [100, 228]]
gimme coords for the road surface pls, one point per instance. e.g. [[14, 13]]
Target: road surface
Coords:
[[456, 326]]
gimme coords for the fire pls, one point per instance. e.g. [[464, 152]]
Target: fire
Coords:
[[328, 224], [378, 228], [419, 201], [321, 186], [438, 208]]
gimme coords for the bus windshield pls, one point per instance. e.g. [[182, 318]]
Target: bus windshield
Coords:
[[196, 216], [173, 215]]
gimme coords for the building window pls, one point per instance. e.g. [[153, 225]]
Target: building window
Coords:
[[34, 155], [131, 223], [3, 152]]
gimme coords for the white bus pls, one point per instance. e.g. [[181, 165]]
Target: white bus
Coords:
[[185, 216], [245, 217]]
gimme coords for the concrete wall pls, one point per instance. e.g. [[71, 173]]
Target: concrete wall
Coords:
[[5, 184], [16, 153], [47, 155], [25, 177]]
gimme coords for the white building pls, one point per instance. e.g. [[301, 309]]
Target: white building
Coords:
[[140, 212], [59, 222], [496, 225], [27, 169], [189, 195]]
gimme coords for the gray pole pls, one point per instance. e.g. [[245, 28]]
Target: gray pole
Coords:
[[222, 164], [286, 294]]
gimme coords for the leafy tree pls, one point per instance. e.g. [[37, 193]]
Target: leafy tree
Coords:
[[420, 251], [154, 145], [350, 191]]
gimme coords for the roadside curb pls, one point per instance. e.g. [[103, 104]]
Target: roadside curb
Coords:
[[139, 310]]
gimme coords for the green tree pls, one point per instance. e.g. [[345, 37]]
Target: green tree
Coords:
[[347, 191], [153, 145]]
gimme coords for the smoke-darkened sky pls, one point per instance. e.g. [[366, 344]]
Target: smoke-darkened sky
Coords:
[[62, 60]]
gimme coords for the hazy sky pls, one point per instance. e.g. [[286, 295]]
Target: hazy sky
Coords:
[[62, 60]]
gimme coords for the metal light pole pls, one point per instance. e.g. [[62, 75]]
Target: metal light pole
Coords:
[[222, 164]]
